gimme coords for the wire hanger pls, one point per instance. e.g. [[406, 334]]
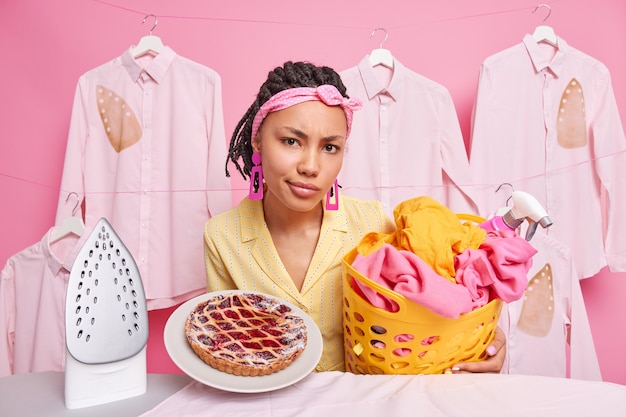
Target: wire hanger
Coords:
[[508, 200], [381, 56], [150, 44], [542, 32], [71, 224]]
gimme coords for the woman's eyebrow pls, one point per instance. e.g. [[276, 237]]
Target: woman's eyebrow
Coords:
[[300, 134], [297, 132]]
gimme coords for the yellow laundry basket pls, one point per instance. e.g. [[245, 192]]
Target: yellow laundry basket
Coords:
[[413, 340]]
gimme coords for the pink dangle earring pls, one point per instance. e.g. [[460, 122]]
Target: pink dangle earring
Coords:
[[256, 178], [332, 197]]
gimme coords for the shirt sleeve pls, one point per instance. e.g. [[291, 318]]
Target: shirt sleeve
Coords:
[[609, 147], [7, 318], [219, 196], [583, 358], [455, 163], [479, 151]]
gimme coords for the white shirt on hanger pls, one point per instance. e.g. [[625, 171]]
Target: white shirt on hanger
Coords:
[[33, 284], [146, 150], [546, 121], [550, 319], [407, 140]]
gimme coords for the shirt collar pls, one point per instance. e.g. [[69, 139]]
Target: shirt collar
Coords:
[[373, 86], [253, 222], [64, 253], [540, 60], [156, 69]]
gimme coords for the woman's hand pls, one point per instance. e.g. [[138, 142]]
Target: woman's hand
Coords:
[[496, 351]]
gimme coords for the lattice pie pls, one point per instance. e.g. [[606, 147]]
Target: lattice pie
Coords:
[[246, 334]]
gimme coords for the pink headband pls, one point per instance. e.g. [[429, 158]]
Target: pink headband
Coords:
[[327, 94]]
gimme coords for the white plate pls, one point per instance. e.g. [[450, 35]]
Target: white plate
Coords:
[[187, 360]]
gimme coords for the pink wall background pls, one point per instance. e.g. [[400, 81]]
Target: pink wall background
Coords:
[[45, 46]]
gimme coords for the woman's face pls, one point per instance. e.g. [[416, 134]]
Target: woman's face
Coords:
[[301, 151]]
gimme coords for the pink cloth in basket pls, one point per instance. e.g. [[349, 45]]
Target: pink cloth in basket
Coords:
[[406, 273], [498, 268]]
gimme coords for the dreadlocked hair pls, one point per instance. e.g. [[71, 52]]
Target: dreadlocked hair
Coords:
[[290, 75]]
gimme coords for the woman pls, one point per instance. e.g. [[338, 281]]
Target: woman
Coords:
[[288, 237]]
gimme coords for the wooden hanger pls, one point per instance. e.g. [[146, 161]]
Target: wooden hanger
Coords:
[[381, 56], [71, 224], [542, 32], [149, 44]]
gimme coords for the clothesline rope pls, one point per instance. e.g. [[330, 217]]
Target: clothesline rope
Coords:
[[416, 20], [345, 186]]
